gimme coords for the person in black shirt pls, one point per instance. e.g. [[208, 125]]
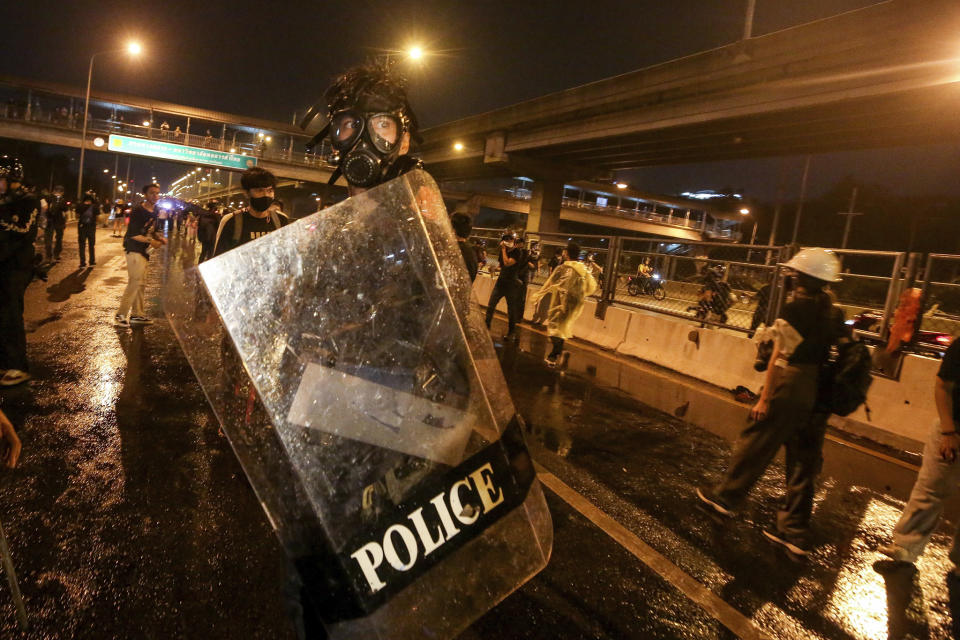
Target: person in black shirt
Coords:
[[139, 240], [508, 284], [87, 212], [462, 226], [939, 474], [257, 220], [786, 414], [207, 224], [56, 224]]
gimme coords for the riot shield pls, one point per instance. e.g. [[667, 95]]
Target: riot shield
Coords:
[[352, 373]]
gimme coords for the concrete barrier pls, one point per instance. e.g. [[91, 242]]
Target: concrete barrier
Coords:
[[900, 411], [609, 333]]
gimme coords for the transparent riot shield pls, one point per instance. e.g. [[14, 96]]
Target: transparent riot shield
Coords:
[[360, 390]]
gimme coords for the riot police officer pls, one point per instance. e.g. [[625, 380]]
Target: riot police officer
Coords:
[[18, 231]]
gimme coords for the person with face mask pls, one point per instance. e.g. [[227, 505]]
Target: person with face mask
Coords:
[[258, 219], [370, 127], [19, 210]]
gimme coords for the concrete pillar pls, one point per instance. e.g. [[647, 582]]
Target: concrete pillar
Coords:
[[545, 206]]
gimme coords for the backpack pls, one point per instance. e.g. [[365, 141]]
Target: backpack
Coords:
[[846, 380]]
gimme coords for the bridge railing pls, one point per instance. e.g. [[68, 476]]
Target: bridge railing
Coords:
[[941, 296], [63, 112]]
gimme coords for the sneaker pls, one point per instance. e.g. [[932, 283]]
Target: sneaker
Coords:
[[93, 264], [897, 554], [120, 321], [140, 320], [83, 265], [14, 377], [796, 547], [707, 498]]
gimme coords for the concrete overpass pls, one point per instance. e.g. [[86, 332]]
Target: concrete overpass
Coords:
[[51, 113], [881, 76]]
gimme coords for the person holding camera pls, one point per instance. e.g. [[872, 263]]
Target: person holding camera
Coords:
[[787, 413], [508, 284]]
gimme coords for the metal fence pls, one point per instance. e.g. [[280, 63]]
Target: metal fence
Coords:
[[941, 295], [712, 283], [738, 286]]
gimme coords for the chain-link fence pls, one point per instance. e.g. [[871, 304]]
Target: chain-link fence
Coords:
[[713, 283]]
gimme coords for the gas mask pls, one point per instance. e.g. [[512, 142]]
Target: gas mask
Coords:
[[367, 145]]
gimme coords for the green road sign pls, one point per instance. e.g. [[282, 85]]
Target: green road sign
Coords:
[[179, 152]]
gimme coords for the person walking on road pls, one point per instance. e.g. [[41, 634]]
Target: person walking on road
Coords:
[[56, 225], [19, 211], [566, 290], [87, 212], [257, 220], [939, 475], [787, 412], [139, 240]]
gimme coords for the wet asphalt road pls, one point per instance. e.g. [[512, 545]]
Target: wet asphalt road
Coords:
[[129, 516]]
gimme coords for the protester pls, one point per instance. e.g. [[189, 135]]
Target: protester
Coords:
[[255, 221], [208, 221], [566, 290], [462, 227], [87, 212], [117, 216], [140, 239], [56, 225], [508, 285], [939, 473], [18, 231], [787, 412]]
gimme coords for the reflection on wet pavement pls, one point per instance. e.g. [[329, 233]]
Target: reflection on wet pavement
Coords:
[[131, 518], [641, 466]]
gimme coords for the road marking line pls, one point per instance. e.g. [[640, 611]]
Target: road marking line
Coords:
[[710, 602]]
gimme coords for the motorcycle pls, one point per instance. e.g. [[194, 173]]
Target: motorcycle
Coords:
[[651, 286], [925, 341]]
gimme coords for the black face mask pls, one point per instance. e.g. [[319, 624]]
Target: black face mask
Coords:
[[261, 204]]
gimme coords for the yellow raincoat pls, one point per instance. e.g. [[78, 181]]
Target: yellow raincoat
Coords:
[[568, 287]]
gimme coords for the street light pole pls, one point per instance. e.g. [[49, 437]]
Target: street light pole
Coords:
[[83, 136], [133, 48]]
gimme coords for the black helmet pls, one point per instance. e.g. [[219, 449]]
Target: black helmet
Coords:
[[11, 168]]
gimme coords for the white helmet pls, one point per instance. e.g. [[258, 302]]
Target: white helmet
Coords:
[[818, 263]]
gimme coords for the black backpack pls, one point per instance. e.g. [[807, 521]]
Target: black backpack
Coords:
[[846, 380], [88, 215]]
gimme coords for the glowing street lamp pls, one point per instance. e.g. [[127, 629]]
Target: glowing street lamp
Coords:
[[458, 146], [621, 185], [415, 53], [134, 49]]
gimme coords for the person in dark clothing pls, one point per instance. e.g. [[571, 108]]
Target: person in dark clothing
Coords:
[[508, 284], [207, 224], [56, 224], [462, 226], [257, 220], [760, 313], [19, 211], [787, 413], [87, 211]]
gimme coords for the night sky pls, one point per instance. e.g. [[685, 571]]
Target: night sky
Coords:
[[272, 59]]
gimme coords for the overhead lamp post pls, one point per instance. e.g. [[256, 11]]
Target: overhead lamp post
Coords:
[[133, 49]]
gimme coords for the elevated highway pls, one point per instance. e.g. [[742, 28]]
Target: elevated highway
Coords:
[[881, 76]]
